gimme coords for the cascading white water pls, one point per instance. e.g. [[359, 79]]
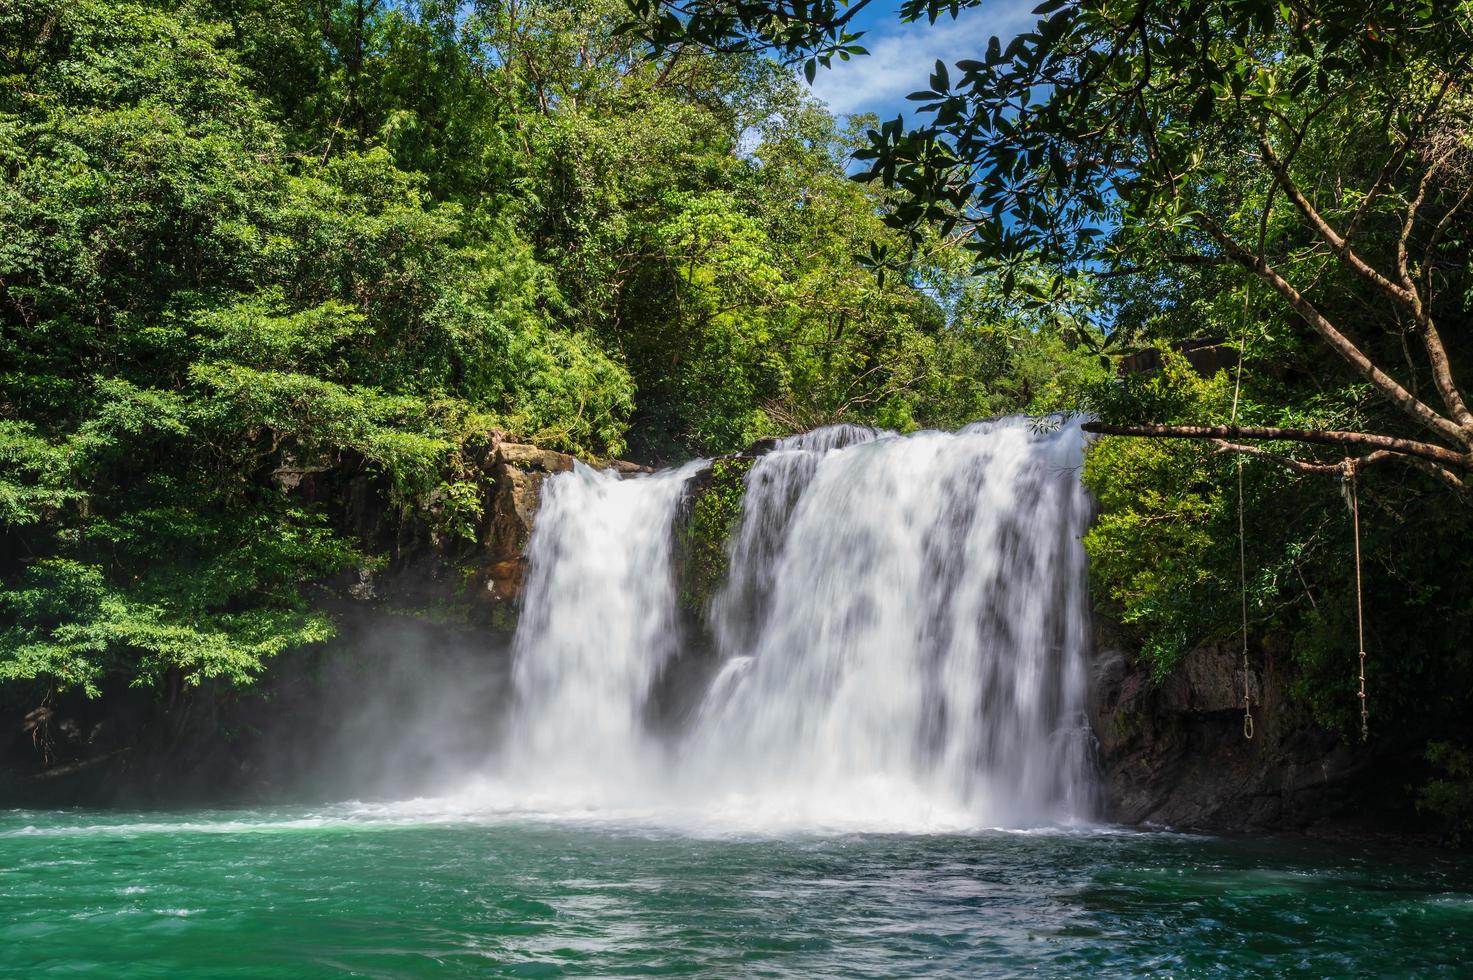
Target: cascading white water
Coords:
[[900, 643], [596, 629]]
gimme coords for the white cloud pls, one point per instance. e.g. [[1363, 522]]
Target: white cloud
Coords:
[[901, 57]]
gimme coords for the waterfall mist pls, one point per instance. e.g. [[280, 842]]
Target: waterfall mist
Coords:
[[900, 643]]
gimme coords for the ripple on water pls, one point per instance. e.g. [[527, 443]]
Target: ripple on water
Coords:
[[293, 892]]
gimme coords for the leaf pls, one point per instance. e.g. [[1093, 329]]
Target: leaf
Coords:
[[940, 80], [1202, 107]]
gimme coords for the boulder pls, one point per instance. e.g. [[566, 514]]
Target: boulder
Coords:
[[1173, 752], [533, 459], [625, 467]]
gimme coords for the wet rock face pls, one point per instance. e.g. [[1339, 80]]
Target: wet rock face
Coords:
[[518, 472], [384, 710], [443, 601], [1174, 753], [476, 580]]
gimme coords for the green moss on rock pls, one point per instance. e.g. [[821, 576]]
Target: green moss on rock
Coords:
[[711, 513]]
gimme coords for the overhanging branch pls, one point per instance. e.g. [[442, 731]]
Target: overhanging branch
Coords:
[[1300, 465], [1319, 437]]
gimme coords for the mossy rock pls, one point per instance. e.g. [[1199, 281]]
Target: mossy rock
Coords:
[[504, 616], [712, 507]]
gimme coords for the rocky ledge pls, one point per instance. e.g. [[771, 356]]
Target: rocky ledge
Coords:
[[1174, 753], [472, 578], [419, 664], [1171, 752]]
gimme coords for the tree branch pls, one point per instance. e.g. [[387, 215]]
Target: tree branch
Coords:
[[1442, 375], [1322, 228], [1389, 387], [1394, 161], [1304, 466], [1320, 437], [1436, 472]]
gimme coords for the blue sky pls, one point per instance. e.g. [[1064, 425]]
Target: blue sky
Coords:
[[902, 55]]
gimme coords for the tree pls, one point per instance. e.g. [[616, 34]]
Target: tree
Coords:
[[1119, 136], [192, 312], [245, 242], [694, 211]]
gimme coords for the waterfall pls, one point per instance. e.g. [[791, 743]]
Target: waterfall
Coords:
[[596, 629], [900, 642]]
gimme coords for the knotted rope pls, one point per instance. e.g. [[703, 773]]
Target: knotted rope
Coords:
[[1242, 537], [1360, 617]]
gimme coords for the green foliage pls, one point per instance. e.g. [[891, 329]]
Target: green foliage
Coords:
[[69, 626], [998, 355], [253, 249], [1164, 553], [702, 557], [457, 509], [1109, 113], [1449, 795], [32, 475], [1159, 549], [192, 311], [1289, 181]]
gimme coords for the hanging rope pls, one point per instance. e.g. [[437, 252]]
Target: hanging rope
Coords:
[[1360, 618], [1243, 591], [1242, 537]]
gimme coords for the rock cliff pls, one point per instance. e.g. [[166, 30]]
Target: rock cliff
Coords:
[[473, 578], [1173, 753], [420, 659], [443, 606]]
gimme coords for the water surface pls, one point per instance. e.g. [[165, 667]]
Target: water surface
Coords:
[[406, 891]]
